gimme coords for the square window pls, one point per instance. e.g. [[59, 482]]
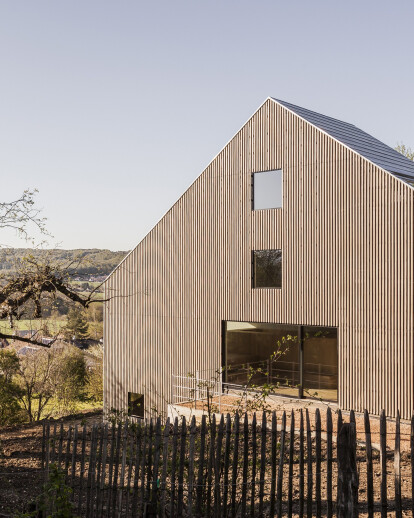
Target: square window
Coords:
[[135, 404], [268, 189], [267, 268]]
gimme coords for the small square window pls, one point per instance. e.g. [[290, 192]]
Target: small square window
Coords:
[[267, 268], [135, 404], [267, 189]]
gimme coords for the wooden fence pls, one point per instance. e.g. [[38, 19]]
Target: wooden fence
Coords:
[[301, 464]]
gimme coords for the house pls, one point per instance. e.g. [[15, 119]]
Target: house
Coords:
[[302, 226], [26, 333]]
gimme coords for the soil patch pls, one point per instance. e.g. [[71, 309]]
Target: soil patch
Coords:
[[21, 477], [227, 404]]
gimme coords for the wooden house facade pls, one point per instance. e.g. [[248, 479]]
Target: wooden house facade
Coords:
[[226, 274]]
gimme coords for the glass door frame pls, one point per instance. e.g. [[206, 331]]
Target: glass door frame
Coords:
[[301, 340]]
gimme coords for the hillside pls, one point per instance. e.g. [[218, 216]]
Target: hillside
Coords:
[[85, 262]]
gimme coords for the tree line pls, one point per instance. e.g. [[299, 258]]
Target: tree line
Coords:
[[86, 261], [39, 383]]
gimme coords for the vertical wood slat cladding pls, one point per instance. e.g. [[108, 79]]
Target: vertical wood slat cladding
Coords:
[[346, 231]]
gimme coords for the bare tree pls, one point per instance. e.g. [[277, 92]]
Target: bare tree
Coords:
[[21, 213], [36, 281], [36, 381]]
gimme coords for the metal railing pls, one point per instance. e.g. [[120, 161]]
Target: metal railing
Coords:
[[215, 384]]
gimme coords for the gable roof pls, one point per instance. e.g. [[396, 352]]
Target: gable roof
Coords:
[[359, 141]]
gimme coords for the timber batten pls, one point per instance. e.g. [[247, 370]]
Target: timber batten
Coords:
[[346, 231]]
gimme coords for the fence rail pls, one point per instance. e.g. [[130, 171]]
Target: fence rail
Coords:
[[275, 465]]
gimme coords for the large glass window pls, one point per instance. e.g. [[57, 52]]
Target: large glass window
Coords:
[[267, 268], [267, 189], [285, 356], [268, 351]]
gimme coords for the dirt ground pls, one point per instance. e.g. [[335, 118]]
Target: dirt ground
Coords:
[[280, 404], [21, 447], [20, 462]]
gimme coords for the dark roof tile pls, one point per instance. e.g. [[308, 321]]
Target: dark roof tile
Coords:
[[356, 139]]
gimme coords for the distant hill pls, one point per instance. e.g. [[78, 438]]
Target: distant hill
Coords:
[[85, 262]]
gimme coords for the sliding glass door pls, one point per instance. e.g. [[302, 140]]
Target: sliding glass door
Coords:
[[293, 359]]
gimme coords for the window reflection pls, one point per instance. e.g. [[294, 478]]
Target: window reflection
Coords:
[[267, 268], [320, 369], [264, 353], [270, 350]]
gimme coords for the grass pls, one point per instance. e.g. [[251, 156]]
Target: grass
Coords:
[[52, 408], [54, 325]]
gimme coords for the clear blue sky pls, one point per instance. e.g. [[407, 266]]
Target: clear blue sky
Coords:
[[112, 108]]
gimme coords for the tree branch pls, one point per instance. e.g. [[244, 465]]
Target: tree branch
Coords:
[[30, 341]]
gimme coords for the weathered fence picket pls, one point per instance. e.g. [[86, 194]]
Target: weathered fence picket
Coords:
[[52, 444], [145, 444], [253, 475], [173, 467], [329, 462], [217, 467], [130, 450], [123, 455], [210, 463], [137, 459], [181, 467], [273, 463], [91, 472], [383, 460], [370, 476], [99, 500], [279, 496], [226, 464], [246, 464], [309, 489], [149, 462], [191, 454], [111, 471], [60, 449], [347, 501], [47, 450], [235, 465], [74, 452], [229, 469], [318, 464], [163, 485], [262, 464], [301, 466], [200, 476], [114, 489], [82, 468], [67, 453], [397, 468]]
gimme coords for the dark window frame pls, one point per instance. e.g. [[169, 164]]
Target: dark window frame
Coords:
[[301, 336], [131, 405], [254, 287]]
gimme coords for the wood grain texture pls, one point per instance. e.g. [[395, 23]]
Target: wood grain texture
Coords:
[[346, 231]]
